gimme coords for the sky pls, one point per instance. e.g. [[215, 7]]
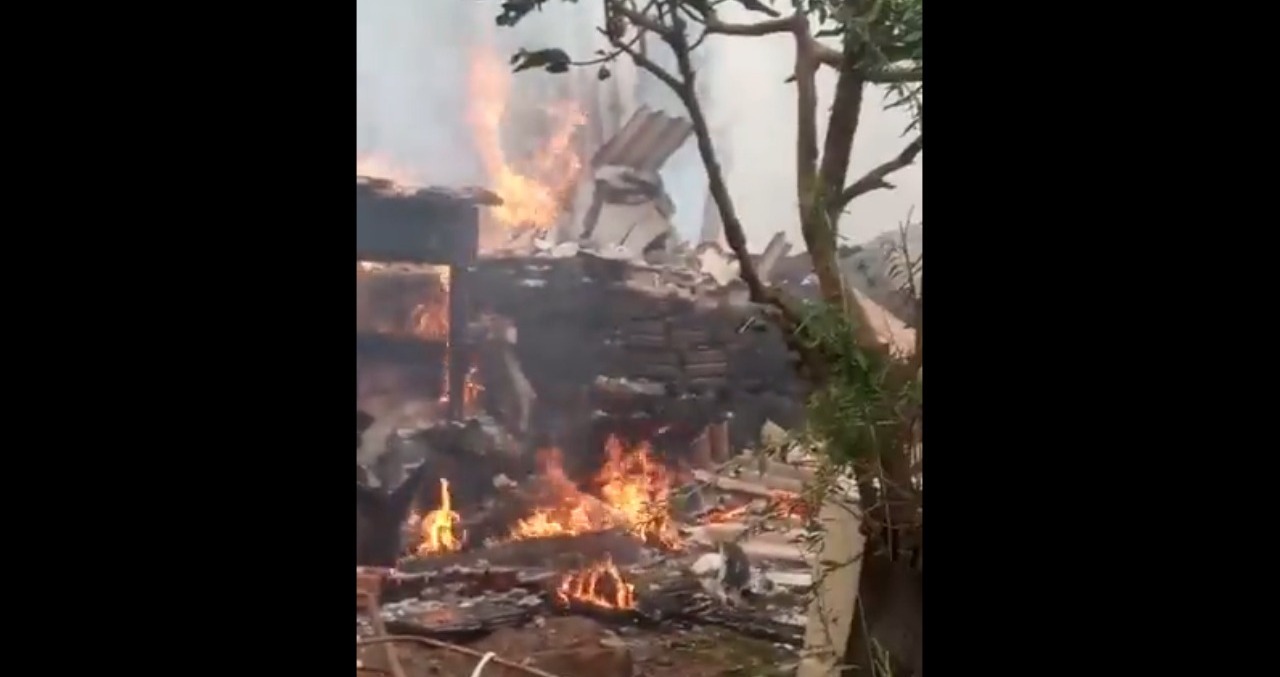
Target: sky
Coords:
[[411, 68]]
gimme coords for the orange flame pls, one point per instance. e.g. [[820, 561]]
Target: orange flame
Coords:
[[633, 489], [438, 526], [533, 193], [430, 322], [600, 585], [781, 505]]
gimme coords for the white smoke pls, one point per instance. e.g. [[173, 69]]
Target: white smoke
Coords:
[[412, 61], [412, 58]]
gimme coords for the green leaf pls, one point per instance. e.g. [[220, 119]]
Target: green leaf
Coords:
[[552, 60]]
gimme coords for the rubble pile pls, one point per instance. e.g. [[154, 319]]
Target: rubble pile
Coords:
[[617, 577], [565, 427]]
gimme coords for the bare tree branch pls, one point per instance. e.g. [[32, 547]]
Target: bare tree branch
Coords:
[[641, 20], [822, 54], [773, 303], [842, 127], [647, 64], [780, 25], [876, 178], [734, 234]]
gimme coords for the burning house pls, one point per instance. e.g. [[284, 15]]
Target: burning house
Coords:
[[562, 405], [556, 394]]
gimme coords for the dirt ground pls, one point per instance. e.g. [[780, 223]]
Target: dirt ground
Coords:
[[572, 646]]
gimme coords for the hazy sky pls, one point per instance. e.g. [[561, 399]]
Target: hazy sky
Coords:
[[411, 68]]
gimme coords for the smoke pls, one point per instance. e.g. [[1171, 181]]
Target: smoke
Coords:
[[754, 112], [411, 83], [412, 61], [412, 58]]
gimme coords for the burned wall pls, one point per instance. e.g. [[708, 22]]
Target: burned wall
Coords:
[[395, 323], [596, 345], [402, 330]]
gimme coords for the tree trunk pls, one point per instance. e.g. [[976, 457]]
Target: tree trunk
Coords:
[[890, 614]]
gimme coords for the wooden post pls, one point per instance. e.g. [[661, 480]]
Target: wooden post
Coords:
[[719, 437], [459, 355], [701, 451]]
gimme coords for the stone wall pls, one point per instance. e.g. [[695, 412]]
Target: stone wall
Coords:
[[615, 338]]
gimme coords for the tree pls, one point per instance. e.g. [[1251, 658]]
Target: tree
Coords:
[[865, 406]]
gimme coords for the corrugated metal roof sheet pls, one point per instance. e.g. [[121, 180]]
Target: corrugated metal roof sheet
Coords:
[[646, 142]]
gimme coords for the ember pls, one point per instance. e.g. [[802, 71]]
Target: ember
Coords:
[[633, 490], [781, 505], [600, 585], [437, 526]]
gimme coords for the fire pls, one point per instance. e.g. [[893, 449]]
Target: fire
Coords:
[[633, 488], [781, 505], [439, 526], [600, 585], [471, 389], [533, 192], [430, 320], [377, 167]]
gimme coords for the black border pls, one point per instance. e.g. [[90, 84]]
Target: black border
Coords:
[[231, 334], [210, 241], [1051, 205]]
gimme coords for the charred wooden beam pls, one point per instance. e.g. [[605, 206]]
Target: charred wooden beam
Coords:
[[433, 226], [459, 355], [718, 433]]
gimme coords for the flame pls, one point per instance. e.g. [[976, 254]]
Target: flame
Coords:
[[471, 389], [633, 488], [534, 190], [781, 505], [600, 585], [430, 320], [722, 515], [438, 526], [378, 167]]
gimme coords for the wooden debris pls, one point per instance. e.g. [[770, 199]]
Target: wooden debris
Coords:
[[368, 588], [719, 432], [765, 487], [438, 644]]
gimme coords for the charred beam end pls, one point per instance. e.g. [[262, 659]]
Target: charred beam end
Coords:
[[427, 226]]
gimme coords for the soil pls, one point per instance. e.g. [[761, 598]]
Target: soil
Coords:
[[666, 652]]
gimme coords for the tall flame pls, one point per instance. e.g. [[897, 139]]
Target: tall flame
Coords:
[[533, 190], [438, 526]]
